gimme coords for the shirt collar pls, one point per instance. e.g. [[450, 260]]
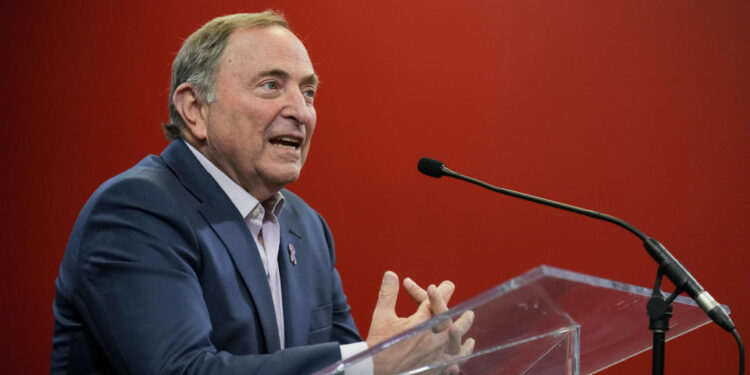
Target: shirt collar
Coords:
[[239, 196]]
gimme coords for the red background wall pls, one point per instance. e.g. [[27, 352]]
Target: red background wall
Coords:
[[634, 108]]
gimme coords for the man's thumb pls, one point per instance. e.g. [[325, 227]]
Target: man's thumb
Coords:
[[388, 293]]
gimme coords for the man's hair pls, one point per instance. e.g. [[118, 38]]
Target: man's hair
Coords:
[[198, 59]]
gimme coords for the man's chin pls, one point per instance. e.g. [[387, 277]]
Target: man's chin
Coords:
[[282, 178]]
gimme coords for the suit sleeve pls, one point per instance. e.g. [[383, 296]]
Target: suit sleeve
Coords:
[[137, 289]]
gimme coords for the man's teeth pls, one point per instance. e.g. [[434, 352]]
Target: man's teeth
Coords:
[[286, 142]]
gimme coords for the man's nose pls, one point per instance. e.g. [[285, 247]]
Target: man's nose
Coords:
[[298, 107]]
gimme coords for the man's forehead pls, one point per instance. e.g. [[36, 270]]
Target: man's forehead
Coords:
[[268, 39], [270, 48]]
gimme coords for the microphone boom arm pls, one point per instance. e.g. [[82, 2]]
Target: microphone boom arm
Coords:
[[668, 265]]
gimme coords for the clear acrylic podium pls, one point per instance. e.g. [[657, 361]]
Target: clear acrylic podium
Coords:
[[547, 321]]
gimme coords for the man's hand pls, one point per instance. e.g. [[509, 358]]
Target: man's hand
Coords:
[[442, 343], [385, 322]]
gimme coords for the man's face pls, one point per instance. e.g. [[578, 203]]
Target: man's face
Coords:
[[259, 128]]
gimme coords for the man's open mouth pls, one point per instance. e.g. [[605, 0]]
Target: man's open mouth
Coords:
[[288, 142]]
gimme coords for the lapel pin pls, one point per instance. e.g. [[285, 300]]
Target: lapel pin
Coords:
[[292, 254]]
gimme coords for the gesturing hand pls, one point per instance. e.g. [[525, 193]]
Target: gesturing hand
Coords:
[[442, 343]]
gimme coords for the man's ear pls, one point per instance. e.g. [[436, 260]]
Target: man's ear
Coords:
[[188, 103]]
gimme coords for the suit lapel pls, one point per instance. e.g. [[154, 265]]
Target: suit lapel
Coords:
[[293, 281], [230, 227], [238, 241]]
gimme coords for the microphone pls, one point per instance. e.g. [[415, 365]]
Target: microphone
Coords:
[[430, 167], [676, 272]]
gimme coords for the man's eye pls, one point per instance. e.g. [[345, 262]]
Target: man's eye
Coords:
[[271, 85], [310, 93]]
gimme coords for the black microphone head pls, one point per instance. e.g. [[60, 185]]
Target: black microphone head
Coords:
[[430, 167]]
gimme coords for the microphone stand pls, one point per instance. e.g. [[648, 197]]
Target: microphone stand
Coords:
[[659, 308], [659, 311]]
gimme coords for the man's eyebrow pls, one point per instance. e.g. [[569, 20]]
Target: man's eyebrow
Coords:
[[312, 79], [278, 73]]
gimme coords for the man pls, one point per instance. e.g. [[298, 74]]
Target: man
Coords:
[[198, 261]]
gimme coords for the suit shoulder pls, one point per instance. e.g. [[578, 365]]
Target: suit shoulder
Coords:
[[147, 189], [143, 201], [150, 175]]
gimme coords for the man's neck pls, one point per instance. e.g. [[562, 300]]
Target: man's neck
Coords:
[[259, 191]]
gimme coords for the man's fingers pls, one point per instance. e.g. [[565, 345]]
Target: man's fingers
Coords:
[[463, 324], [446, 289], [415, 291], [437, 303], [457, 330], [451, 370], [467, 348], [388, 294], [441, 324], [438, 306]]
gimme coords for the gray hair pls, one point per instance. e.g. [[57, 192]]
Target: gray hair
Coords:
[[198, 59]]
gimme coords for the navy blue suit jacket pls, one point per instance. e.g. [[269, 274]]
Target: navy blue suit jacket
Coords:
[[161, 276]]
